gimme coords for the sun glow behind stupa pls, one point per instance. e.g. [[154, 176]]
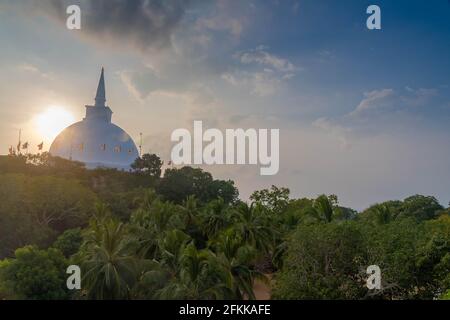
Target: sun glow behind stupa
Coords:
[[95, 140], [52, 121]]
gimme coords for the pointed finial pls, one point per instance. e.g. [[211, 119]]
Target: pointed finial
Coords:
[[100, 97]]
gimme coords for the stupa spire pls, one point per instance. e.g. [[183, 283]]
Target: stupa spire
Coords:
[[100, 97]]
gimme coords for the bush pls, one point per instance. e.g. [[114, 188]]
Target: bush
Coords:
[[69, 242], [323, 261], [35, 274]]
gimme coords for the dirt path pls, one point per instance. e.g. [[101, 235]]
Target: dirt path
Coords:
[[261, 289]]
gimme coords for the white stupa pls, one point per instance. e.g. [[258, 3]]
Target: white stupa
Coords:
[[95, 140]]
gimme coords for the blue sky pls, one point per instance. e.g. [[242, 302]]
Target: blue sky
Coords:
[[362, 114]]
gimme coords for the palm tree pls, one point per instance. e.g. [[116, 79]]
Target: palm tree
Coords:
[[236, 257], [153, 276], [150, 223], [109, 270], [171, 247], [383, 214], [161, 269], [158, 215], [190, 210], [200, 276], [323, 210], [215, 218], [253, 224]]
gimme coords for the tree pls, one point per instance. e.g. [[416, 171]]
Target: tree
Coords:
[[36, 274], [251, 222], [223, 189], [323, 261], [109, 269], [393, 247], [178, 184], [236, 256], [13, 164], [324, 209], [380, 213], [276, 199], [45, 163], [190, 212], [41, 164], [150, 223], [181, 271], [433, 258], [58, 203], [35, 209], [148, 164], [200, 276], [69, 242], [215, 217], [420, 207]]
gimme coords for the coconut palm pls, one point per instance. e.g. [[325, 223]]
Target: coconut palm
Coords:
[[236, 257], [150, 223], [215, 218], [190, 211], [200, 276], [253, 224], [171, 247], [323, 210], [383, 214], [109, 270]]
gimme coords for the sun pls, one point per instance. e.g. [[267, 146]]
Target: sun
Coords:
[[52, 121]]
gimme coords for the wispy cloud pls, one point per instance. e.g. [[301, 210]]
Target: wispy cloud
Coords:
[[385, 110], [341, 133], [262, 57], [227, 17], [260, 83], [33, 69], [27, 67], [373, 100], [390, 101], [260, 71], [222, 23]]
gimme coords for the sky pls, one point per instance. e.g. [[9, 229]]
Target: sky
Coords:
[[363, 114]]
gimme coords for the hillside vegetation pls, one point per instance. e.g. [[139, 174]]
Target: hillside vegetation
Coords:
[[185, 235]]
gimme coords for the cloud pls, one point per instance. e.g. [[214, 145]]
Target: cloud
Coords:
[[147, 80], [222, 23], [33, 69], [386, 111], [228, 17], [26, 67], [262, 57], [389, 102], [419, 97], [340, 132], [141, 23], [260, 83], [373, 100], [261, 72], [179, 83]]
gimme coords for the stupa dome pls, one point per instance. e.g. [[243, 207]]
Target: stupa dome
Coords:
[[95, 140]]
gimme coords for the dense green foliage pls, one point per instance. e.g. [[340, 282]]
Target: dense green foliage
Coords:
[[184, 235], [35, 274], [33, 210], [178, 184], [148, 164], [328, 260]]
